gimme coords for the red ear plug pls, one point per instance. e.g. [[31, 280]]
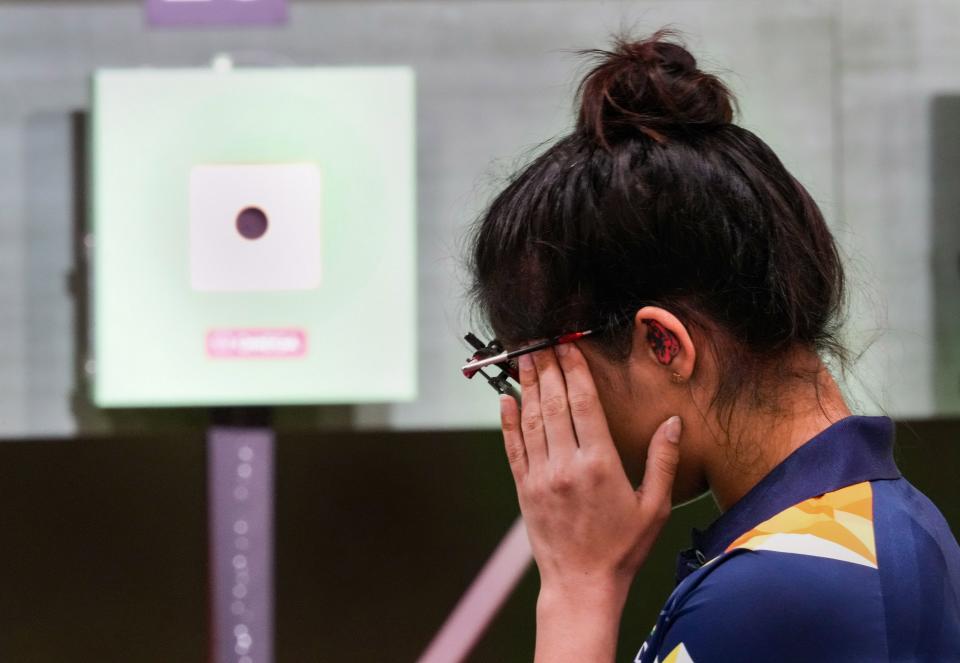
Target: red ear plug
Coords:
[[665, 345]]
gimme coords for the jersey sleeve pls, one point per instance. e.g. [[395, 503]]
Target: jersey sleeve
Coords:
[[771, 606]]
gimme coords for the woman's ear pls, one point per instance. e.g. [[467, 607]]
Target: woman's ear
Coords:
[[661, 337]]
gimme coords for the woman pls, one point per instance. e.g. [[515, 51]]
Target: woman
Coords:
[[710, 287]]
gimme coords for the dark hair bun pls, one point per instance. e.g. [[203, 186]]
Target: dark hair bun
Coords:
[[652, 86]]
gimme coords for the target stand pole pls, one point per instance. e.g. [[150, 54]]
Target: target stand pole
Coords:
[[240, 475]]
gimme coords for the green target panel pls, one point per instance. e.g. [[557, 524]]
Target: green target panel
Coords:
[[254, 236]]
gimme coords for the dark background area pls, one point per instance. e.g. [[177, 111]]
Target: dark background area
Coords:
[[104, 544]]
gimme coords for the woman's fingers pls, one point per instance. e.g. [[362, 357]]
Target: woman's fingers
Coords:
[[531, 423], [561, 440], [512, 438], [663, 455], [589, 421]]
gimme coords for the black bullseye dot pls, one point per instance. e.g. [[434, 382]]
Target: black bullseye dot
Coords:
[[251, 223]]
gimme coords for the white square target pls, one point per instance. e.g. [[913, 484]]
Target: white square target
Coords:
[[254, 227]]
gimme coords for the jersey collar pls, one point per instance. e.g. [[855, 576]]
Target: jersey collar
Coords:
[[851, 450]]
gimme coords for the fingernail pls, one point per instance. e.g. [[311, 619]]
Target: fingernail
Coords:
[[673, 428], [526, 363], [562, 349]]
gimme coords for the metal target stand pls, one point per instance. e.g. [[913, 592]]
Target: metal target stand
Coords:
[[240, 490]]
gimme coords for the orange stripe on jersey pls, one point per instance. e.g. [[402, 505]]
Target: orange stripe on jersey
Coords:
[[818, 525]]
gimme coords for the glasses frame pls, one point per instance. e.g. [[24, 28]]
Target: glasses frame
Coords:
[[493, 355]]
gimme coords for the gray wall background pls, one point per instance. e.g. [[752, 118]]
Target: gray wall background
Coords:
[[858, 97]]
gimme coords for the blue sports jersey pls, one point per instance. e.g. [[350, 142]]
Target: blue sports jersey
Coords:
[[832, 557]]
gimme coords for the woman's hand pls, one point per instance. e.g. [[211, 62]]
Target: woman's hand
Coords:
[[589, 529]]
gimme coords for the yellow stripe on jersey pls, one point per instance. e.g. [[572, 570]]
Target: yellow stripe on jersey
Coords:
[[837, 525], [678, 655]]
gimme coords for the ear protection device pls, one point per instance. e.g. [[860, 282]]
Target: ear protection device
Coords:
[[664, 343]]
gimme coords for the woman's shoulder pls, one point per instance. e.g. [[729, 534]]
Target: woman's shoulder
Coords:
[[773, 605], [770, 605], [880, 535], [869, 570], [874, 524]]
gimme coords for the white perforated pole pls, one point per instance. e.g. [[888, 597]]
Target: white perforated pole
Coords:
[[240, 490]]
